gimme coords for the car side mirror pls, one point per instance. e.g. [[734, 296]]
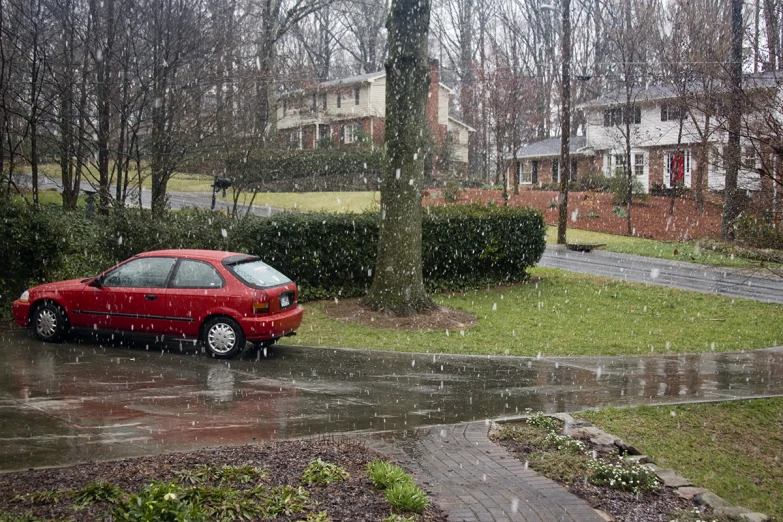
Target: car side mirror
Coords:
[[97, 282]]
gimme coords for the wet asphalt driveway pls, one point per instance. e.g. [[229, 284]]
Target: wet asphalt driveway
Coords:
[[68, 403]]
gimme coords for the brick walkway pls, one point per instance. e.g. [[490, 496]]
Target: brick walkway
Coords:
[[474, 480]]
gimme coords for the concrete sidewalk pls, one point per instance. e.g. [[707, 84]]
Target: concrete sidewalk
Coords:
[[474, 480], [759, 284]]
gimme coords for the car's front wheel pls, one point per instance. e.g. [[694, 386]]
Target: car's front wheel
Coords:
[[223, 337], [50, 324]]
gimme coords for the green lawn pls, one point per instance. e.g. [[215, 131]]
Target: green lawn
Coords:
[[558, 313], [735, 449], [320, 201], [181, 181]]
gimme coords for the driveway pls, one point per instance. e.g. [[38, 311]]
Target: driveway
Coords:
[[61, 404], [759, 284]]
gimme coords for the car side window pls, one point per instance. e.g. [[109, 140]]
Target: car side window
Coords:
[[145, 272], [196, 274]]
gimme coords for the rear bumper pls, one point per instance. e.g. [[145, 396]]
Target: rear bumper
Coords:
[[21, 312], [272, 326]]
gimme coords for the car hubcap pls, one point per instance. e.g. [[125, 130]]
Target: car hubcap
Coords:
[[221, 338], [46, 324]]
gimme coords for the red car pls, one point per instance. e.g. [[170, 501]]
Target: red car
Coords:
[[221, 298]]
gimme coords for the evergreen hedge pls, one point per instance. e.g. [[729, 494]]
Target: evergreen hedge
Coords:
[[328, 255], [267, 165]]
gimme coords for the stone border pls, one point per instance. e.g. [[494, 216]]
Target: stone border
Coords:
[[682, 486]]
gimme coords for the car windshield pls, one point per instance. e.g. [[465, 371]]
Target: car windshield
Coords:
[[257, 273]]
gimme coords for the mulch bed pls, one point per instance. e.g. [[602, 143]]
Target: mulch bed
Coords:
[[649, 219], [354, 499]]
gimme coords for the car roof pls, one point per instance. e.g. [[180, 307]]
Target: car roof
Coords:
[[214, 255]]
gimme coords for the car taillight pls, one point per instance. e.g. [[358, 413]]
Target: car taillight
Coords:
[[260, 303]]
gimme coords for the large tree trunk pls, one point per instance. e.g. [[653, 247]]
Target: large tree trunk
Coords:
[[398, 282]]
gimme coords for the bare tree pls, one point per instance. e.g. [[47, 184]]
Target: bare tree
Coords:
[[275, 19], [365, 37]]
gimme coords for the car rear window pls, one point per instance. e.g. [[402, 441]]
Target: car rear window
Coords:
[[255, 272]]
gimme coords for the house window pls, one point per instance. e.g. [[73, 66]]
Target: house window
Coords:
[[574, 162], [285, 108], [638, 165], [749, 158], [315, 102], [323, 101], [356, 90], [295, 139], [525, 172], [348, 133], [618, 165], [555, 171], [324, 136], [615, 116], [339, 100], [672, 112], [535, 171]]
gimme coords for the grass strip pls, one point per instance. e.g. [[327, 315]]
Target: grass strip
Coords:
[[558, 313], [734, 449]]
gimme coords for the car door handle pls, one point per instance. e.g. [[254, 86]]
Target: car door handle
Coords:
[[150, 297]]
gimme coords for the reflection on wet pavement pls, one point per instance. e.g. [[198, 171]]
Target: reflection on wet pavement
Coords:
[[61, 404]]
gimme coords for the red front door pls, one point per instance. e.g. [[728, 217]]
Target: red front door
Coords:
[[677, 169]]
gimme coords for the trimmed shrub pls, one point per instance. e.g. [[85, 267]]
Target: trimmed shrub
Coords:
[[328, 255], [30, 247]]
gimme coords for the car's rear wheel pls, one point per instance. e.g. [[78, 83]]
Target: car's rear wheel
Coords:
[[50, 323], [223, 337]]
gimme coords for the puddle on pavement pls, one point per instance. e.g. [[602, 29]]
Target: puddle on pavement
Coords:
[[67, 403]]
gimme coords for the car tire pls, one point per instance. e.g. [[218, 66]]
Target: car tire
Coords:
[[50, 323], [223, 337]]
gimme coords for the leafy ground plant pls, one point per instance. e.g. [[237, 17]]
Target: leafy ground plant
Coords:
[[99, 492], [402, 493], [383, 474], [159, 502], [622, 474], [406, 497], [320, 472]]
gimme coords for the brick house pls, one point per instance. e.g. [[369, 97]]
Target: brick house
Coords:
[[539, 162], [342, 112], [662, 154]]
